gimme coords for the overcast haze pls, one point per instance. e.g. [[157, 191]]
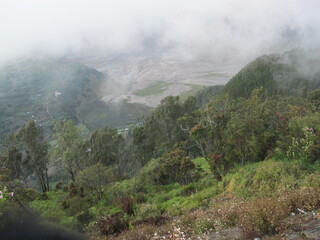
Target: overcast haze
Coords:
[[244, 28]]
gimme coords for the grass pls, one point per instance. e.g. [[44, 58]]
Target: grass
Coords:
[[247, 188], [51, 209], [180, 199], [203, 164], [155, 89], [271, 178], [192, 92], [212, 75]]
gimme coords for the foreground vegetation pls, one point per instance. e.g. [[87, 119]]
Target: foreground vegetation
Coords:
[[189, 170]]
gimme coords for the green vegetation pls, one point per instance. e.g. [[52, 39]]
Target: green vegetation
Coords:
[[212, 75], [97, 114], [157, 88], [204, 96], [50, 89], [292, 73], [192, 92], [44, 90], [51, 209], [199, 168], [256, 74]]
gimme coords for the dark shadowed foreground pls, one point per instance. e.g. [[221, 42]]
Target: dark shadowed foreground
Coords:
[[21, 225]]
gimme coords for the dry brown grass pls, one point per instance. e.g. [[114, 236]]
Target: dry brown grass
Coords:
[[256, 217], [259, 216]]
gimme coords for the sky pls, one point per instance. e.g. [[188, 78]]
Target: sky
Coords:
[[191, 28]]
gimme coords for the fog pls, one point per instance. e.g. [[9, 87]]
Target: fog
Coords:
[[216, 28]]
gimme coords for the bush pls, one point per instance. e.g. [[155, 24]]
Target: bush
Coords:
[[260, 216], [188, 190], [74, 205], [146, 210], [174, 167], [126, 205], [61, 186], [94, 178], [267, 178], [263, 216], [112, 224], [313, 153], [271, 177], [83, 218], [26, 194]]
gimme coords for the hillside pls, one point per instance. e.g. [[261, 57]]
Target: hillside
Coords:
[[240, 166], [44, 90], [148, 77], [291, 73], [47, 89]]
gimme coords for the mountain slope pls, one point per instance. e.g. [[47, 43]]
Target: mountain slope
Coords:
[[47, 89], [148, 77], [291, 73]]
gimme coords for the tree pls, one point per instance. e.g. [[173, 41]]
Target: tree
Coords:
[[167, 114], [161, 130], [94, 179], [104, 146], [145, 146], [207, 127], [36, 151], [13, 162], [67, 148], [172, 167]]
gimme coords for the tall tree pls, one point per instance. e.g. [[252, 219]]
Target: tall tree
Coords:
[[67, 148], [161, 129], [104, 146], [14, 159], [36, 151]]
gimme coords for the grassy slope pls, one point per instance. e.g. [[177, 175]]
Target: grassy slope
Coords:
[[211, 75], [192, 92], [196, 202], [155, 89], [52, 210]]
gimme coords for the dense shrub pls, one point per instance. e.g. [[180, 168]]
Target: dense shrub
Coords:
[[94, 178], [112, 224], [264, 215], [73, 205], [173, 167], [126, 205], [83, 218], [26, 194], [266, 178]]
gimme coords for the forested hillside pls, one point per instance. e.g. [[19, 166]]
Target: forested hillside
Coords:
[[293, 73], [244, 161], [47, 89]]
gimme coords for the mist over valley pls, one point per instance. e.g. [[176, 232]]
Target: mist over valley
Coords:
[[149, 120]]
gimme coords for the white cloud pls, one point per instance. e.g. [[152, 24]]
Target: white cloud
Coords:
[[216, 27]]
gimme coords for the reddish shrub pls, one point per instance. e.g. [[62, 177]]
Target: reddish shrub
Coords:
[[126, 205], [112, 224]]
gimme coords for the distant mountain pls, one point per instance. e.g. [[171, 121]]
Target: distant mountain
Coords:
[[47, 89], [291, 73], [100, 89], [148, 77]]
